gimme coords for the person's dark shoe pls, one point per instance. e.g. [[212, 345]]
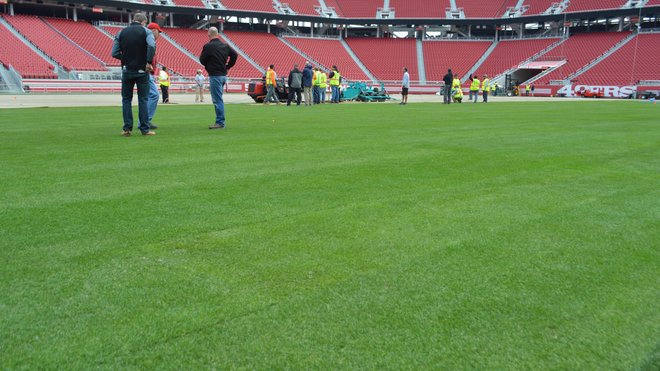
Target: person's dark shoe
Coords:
[[217, 126], [149, 133], [153, 126], [125, 133]]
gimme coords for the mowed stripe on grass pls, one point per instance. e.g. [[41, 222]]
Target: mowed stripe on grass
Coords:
[[515, 236]]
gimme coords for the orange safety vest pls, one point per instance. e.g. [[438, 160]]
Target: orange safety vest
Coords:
[[271, 78]]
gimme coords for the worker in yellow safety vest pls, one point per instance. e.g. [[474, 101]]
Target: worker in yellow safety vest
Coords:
[[164, 80], [271, 84], [323, 85], [527, 89], [457, 89], [316, 85], [474, 88], [485, 87], [335, 80]]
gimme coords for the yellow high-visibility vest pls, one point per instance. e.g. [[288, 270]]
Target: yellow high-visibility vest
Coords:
[[486, 85], [323, 80], [456, 84], [334, 80], [475, 84], [164, 78], [270, 77]]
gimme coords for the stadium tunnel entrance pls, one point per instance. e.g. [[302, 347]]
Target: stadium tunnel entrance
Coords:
[[531, 70]]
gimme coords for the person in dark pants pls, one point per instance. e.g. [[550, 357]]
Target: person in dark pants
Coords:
[[295, 85], [217, 57], [448, 80], [135, 46], [164, 77]]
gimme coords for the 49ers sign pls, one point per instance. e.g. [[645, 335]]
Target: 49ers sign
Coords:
[[596, 90]]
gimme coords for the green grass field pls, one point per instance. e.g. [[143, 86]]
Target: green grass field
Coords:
[[365, 236]]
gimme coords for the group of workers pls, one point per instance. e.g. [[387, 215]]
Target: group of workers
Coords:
[[311, 81], [453, 91]]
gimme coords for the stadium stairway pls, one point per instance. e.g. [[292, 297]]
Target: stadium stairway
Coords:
[[307, 57], [61, 72], [602, 56], [421, 68], [111, 36], [499, 77], [358, 61], [72, 42], [480, 61], [242, 53], [182, 49]]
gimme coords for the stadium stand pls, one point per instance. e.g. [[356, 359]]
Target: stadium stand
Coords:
[[653, 3], [306, 7], [25, 61], [420, 8], [460, 56], [56, 46], [636, 60], [333, 4], [87, 37], [190, 3], [583, 5], [485, 9], [265, 6], [538, 6], [510, 53], [169, 55], [385, 58], [579, 50], [330, 52], [359, 9], [266, 49], [194, 40]]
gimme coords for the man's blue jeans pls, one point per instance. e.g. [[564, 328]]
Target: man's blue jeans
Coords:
[[216, 84], [335, 94], [128, 81], [153, 97]]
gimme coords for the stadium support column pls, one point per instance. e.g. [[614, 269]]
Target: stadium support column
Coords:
[[11, 9], [75, 14]]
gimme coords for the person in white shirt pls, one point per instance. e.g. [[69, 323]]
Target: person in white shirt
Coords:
[[199, 86], [405, 85]]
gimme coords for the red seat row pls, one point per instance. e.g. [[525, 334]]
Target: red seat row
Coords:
[[61, 49], [25, 61]]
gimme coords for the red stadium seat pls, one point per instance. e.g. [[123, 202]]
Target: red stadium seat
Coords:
[[194, 40], [169, 55], [510, 53], [88, 37], [266, 49], [62, 50], [636, 60], [579, 50], [385, 58], [330, 52], [460, 56], [20, 56]]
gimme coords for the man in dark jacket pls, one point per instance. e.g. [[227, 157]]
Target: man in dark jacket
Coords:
[[307, 76], [214, 58], [295, 85], [135, 46], [448, 79]]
